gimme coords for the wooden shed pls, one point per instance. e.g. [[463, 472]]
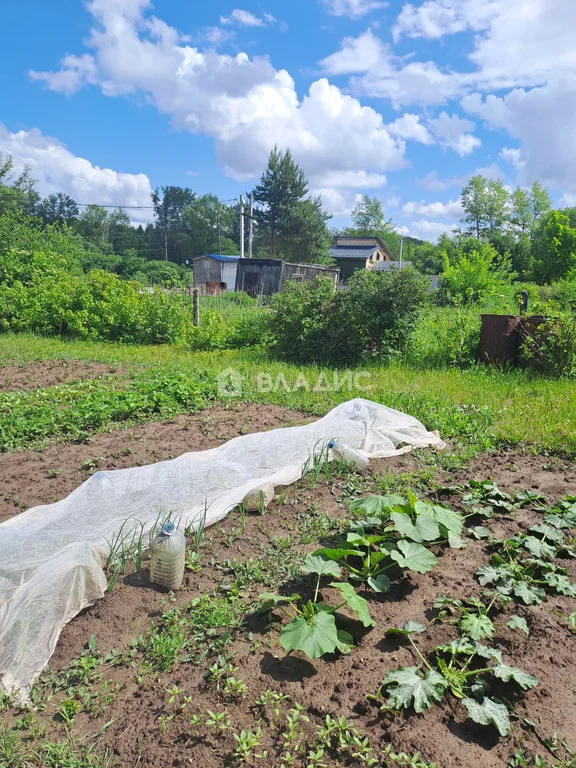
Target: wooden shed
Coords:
[[215, 273], [263, 277]]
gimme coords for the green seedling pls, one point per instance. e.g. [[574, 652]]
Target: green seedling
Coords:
[[492, 499], [313, 625], [218, 720], [571, 619], [463, 668], [390, 532], [522, 567], [475, 618], [247, 742]]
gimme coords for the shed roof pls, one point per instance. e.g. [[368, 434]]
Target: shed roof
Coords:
[[218, 257]]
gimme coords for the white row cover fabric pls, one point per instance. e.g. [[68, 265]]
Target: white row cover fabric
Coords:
[[52, 556]]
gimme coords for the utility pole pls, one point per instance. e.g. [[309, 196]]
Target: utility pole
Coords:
[[401, 244], [241, 226], [165, 245], [250, 227]]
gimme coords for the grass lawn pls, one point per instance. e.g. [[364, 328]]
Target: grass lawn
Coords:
[[482, 406]]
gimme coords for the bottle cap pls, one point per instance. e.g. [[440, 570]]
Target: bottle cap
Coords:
[[168, 529]]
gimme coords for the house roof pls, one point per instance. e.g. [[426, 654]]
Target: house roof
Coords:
[[218, 257], [352, 251]]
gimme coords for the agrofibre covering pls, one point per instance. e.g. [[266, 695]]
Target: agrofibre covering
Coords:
[[52, 556]]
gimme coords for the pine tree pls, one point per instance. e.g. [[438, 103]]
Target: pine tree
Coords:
[[281, 187]]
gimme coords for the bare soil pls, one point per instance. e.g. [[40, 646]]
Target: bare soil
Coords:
[[144, 729], [48, 373], [339, 686], [29, 478]]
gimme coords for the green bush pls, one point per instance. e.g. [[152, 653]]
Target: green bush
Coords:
[[369, 319], [561, 293], [551, 347], [444, 337], [474, 274]]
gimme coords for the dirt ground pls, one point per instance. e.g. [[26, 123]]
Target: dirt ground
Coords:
[[339, 686], [29, 478], [48, 373], [142, 727]]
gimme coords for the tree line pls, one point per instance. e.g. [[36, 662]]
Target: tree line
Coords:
[[520, 225]]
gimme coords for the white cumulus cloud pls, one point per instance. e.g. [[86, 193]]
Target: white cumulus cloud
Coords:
[[58, 170], [244, 103], [429, 230], [410, 128], [452, 209], [353, 8], [247, 19], [543, 120], [357, 54], [454, 132], [436, 18]]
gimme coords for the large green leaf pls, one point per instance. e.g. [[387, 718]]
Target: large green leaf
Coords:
[[425, 528], [320, 565], [488, 653], [517, 622], [539, 547], [380, 583], [269, 599], [489, 712], [561, 584], [359, 540], [477, 627], [405, 686], [314, 638], [462, 645], [450, 520], [337, 554], [375, 505], [414, 556], [409, 628], [549, 531], [506, 673], [528, 593], [354, 602]]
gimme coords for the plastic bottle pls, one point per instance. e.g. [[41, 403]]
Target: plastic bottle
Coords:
[[167, 556], [259, 498], [343, 451]]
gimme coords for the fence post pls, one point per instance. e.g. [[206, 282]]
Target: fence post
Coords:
[[196, 304]]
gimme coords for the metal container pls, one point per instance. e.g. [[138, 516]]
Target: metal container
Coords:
[[499, 338]]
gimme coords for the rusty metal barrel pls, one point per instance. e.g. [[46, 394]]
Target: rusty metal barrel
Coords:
[[499, 338]]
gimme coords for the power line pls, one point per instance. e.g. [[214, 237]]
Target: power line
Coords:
[[139, 207]]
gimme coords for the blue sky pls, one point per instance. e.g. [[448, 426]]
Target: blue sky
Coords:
[[108, 99]]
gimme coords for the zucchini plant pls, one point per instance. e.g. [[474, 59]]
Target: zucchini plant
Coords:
[[463, 668], [391, 532], [522, 566], [313, 626], [474, 617], [492, 499]]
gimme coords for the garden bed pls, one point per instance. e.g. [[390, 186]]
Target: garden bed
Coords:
[[200, 678]]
